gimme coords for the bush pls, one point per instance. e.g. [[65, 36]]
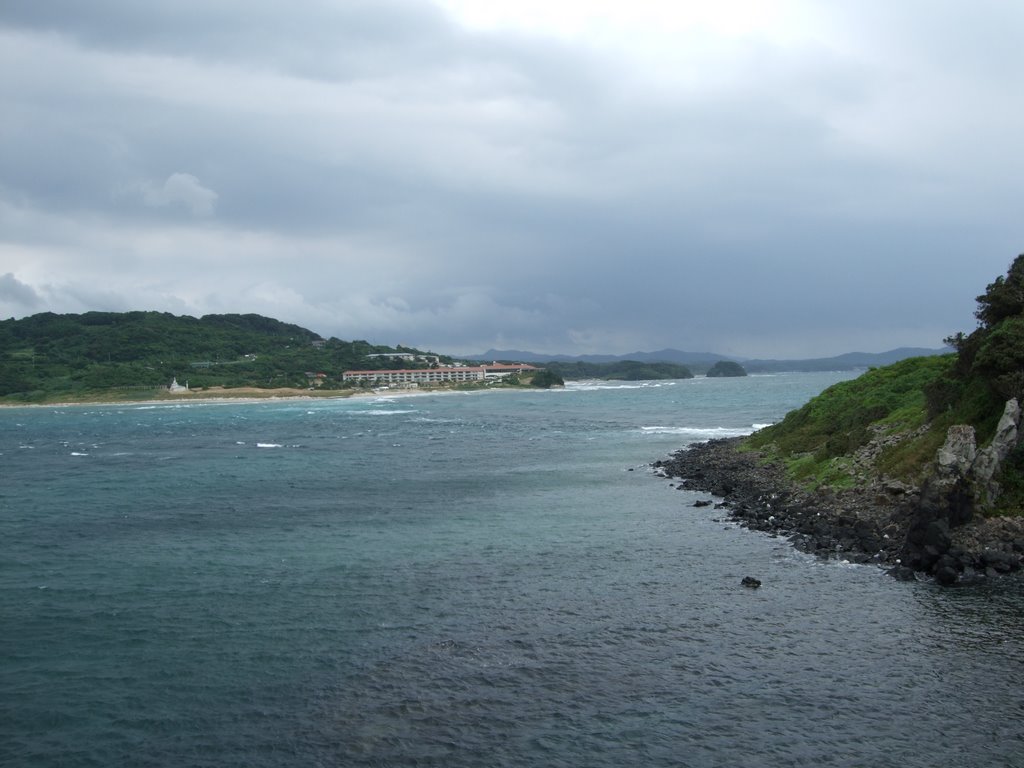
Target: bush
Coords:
[[547, 379]]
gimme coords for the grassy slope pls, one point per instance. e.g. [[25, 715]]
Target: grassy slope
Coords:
[[817, 441]]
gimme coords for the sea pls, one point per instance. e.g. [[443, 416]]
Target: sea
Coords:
[[460, 579]]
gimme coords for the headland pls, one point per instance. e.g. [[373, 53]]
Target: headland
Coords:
[[887, 523]]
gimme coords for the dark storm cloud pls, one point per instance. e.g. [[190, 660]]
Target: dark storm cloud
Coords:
[[316, 38]]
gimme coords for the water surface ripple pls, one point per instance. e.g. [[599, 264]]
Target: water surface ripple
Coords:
[[459, 580]]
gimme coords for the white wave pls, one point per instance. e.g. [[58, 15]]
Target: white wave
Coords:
[[269, 445], [381, 412], [594, 386], [701, 433], [76, 453]]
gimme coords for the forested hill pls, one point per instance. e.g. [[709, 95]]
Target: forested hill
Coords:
[[621, 370], [49, 353]]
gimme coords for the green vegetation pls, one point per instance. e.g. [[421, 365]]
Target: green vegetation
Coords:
[[916, 400], [726, 368], [134, 355], [623, 370], [127, 355], [817, 440], [546, 379]]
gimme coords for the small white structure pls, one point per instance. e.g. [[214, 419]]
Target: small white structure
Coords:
[[176, 387]]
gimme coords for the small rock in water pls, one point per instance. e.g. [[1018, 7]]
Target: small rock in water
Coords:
[[750, 581], [702, 503], [902, 573]]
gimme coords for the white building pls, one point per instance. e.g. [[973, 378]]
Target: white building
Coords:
[[419, 375]]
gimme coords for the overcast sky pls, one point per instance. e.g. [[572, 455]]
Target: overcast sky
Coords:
[[754, 178]]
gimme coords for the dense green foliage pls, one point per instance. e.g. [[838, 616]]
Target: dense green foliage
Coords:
[[921, 397], [49, 355], [726, 368], [622, 370]]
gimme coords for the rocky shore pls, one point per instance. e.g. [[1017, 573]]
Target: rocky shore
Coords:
[[887, 523]]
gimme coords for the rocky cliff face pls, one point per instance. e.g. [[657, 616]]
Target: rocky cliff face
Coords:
[[946, 535]]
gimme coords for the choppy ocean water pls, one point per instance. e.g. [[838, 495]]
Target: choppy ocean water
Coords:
[[459, 580]]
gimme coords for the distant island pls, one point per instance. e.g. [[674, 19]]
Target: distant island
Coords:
[[724, 368]]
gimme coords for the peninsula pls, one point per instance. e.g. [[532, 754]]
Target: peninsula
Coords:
[[114, 356], [918, 466]]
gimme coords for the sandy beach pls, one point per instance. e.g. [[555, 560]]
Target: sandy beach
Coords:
[[235, 395]]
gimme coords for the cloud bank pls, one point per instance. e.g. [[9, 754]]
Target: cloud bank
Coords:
[[762, 181]]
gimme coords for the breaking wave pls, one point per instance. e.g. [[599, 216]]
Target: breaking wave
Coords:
[[703, 433]]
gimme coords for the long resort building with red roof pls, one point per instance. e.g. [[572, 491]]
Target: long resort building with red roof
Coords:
[[439, 375]]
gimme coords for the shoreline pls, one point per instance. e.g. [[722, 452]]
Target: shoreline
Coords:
[[236, 395], [879, 523], [195, 398], [256, 395]]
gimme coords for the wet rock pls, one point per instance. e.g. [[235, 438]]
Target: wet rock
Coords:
[[750, 581], [946, 575], [903, 573]]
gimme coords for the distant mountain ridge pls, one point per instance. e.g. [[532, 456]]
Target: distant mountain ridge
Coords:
[[660, 356], [847, 361]]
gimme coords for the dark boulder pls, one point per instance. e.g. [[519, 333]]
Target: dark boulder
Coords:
[[946, 575]]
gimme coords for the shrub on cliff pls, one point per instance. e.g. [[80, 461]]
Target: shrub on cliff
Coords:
[[989, 360]]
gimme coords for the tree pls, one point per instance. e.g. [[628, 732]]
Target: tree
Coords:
[[1004, 297]]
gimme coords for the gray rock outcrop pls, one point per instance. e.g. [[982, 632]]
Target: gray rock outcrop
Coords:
[[960, 484], [959, 462], [989, 459]]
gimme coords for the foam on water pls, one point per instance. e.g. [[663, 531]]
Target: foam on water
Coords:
[[601, 385], [380, 412], [700, 433]]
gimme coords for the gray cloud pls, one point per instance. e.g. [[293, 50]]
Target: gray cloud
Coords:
[[17, 296], [181, 189], [374, 170]]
